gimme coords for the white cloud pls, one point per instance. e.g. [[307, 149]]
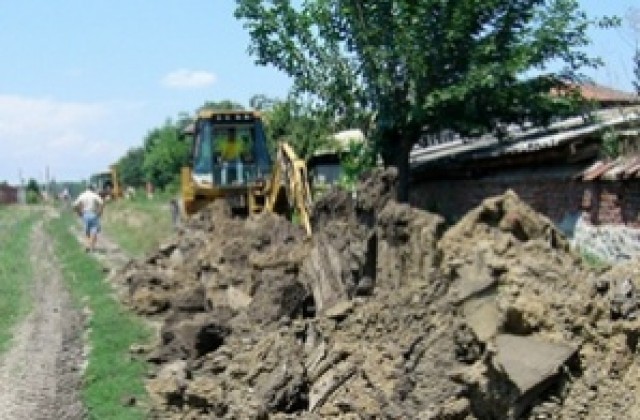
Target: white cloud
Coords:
[[21, 116], [184, 78], [74, 139]]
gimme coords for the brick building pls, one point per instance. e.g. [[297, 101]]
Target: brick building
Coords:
[[551, 169], [8, 194]]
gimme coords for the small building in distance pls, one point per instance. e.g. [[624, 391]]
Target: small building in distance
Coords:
[[8, 194]]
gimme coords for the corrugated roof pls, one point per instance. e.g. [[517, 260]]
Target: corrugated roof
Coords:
[[603, 95], [598, 93], [526, 141], [621, 168]]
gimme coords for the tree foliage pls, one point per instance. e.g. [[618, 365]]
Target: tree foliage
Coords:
[[633, 17], [164, 153], [357, 159], [262, 102], [32, 185], [223, 105], [130, 167], [611, 146], [636, 70], [33, 191], [421, 66], [298, 123]]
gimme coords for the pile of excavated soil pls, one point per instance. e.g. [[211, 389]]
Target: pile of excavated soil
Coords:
[[385, 313]]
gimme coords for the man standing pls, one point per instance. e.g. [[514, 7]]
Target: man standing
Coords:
[[231, 151], [89, 206]]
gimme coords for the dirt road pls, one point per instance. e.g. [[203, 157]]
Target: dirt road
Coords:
[[40, 374]]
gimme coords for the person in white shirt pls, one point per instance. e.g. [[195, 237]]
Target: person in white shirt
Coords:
[[89, 206]]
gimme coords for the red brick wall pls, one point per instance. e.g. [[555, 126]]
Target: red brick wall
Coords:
[[613, 203], [601, 202]]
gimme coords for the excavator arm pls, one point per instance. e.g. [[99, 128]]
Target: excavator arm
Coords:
[[289, 189]]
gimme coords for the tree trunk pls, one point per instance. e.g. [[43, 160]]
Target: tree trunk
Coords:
[[395, 152], [404, 169]]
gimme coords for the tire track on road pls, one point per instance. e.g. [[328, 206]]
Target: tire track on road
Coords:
[[41, 373]]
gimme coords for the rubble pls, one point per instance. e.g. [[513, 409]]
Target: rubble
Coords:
[[385, 313]]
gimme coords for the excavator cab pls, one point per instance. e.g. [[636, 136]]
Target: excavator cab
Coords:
[[229, 149], [230, 160], [107, 184]]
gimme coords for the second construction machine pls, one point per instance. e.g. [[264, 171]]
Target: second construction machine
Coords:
[[230, 161], [107, 184]]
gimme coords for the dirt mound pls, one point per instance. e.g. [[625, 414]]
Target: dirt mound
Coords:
[[385, 313]]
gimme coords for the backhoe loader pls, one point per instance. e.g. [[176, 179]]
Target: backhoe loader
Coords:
[[230, 161], [107, 184]]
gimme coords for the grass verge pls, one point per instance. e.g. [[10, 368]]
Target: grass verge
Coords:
[[15, 268], [112, 375], [137, 225]]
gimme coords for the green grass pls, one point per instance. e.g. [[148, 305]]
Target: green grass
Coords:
[[138, 225], [15, 268], [112, 374], [593, 261]]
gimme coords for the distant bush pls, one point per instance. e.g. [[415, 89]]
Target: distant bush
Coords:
[[33, 197], [611, 144], [172, 187], [358, 158], [33, 192]]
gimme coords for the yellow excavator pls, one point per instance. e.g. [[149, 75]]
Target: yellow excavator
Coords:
[[230, 161], [107, 183]]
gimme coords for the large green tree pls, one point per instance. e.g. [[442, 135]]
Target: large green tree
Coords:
[[165, 153], [421, 66]]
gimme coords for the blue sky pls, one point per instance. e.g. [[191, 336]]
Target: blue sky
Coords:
[[81, 82]]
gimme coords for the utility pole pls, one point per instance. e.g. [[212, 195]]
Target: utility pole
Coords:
[[46, 181], [22, 193]]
